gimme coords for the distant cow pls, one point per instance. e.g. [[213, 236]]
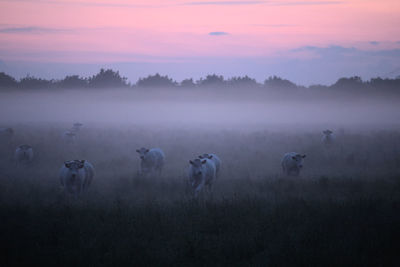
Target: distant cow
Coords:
[[328, 137], [76, 127], [292, 163], [76, 176], [69, 137], [6, 134], [151, 160], [23, 154], [202, 173], [215, 159]]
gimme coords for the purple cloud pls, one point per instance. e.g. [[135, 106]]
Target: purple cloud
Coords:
[[31, 30], [218, 33]]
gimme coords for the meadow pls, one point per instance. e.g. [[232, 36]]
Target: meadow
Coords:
[[342, 210]]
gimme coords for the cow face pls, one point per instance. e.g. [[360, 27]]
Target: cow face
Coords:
[[74, 179], [197, 166], [298, 159], [205, 156], [142, 152], [327, 132], [75, 165], [24, 152]]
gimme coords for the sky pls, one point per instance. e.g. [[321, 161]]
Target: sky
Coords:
[[307, 42]]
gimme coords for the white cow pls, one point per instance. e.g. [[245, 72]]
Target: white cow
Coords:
[[215, 159], [328, 137], [76, 127], [292, 163], [23, 154], [69, 137], [6, 134], [151, 160], [201, 172], [76, 176]]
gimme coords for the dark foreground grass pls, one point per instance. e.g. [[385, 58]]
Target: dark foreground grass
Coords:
[[362, 229], [344, 210]]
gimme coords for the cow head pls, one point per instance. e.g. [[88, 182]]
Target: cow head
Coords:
[[142, 152], [197, 166], [205, 156], [298, 159]]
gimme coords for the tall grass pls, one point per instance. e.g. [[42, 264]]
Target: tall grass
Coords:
[[342, 210]]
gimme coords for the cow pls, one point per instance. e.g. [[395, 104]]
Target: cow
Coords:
[[76, 176], [23, 154], [69, 137], [76, 127], [152, 160], [215, 159], [328, 138], [292, 163], [202, 172]]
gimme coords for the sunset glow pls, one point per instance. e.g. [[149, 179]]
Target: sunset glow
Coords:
[[103, 32]]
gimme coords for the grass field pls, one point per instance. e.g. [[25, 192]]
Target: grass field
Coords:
[[342, 210]]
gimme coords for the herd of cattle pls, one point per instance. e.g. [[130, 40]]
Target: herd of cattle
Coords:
[[77, 175]]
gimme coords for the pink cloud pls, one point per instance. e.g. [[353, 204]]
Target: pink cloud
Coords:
[[182, 28]]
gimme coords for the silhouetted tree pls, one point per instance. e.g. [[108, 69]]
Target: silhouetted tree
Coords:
[[277, 82], [212, 80], [35, 83], [242, 81], [108, 78], [385, 84], [352, 83], [7, 81], [188, 83], [73, 81], [156, 81]]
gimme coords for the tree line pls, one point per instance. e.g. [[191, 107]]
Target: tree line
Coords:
[[108, 78]]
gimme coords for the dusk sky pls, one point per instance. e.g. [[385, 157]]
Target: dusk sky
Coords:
[[304, 41]]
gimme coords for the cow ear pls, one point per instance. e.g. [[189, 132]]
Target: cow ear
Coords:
[[303, 156], [191, 162], [147, 150], [204, 162], [137, 150], [83, 161], [200, 157], [67, 164], [210, 157], [294, 157]]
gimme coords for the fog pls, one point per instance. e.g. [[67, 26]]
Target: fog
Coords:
[[200, 108], [345, 198]]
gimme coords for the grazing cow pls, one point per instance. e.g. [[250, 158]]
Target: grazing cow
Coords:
[[6, 134], [292, 163], [76, 176], [202, 172], [328, 137], [215, 159], [69, 137], [151, 160], [23, 154], [76, 127]]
